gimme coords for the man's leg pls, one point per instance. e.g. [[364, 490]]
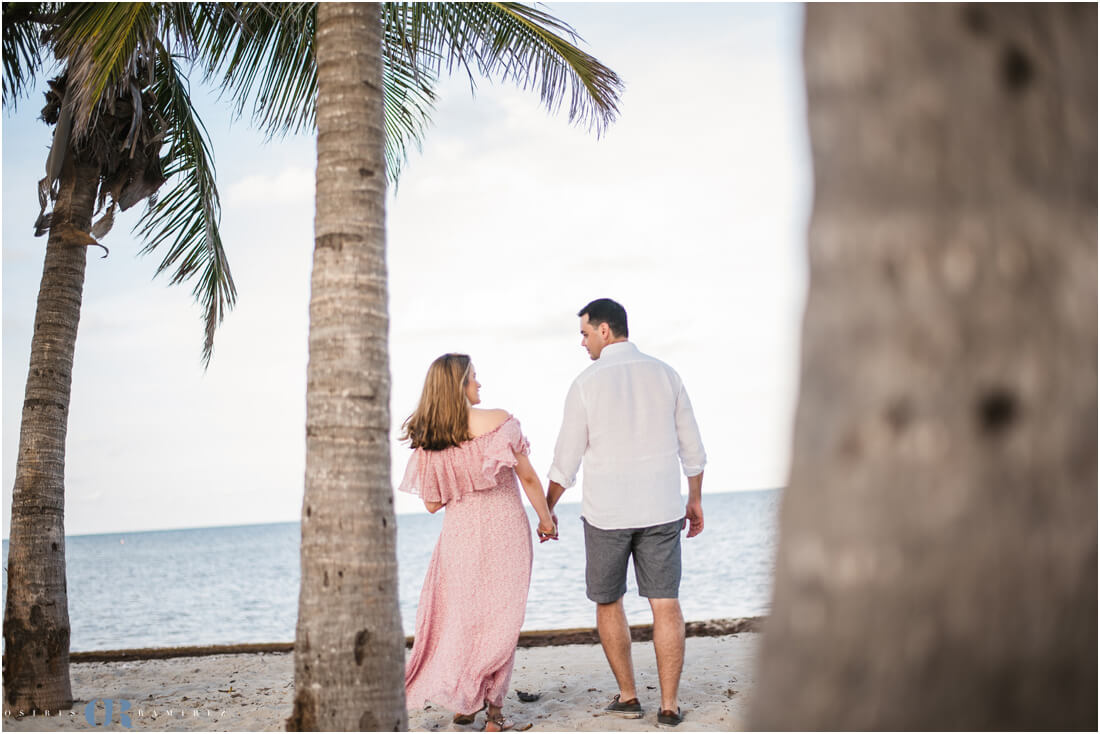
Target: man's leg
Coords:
[[615, 639], [657, 568], [606, 555], [668, 642]]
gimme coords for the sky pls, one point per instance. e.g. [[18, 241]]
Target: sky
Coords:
[[691, 210]]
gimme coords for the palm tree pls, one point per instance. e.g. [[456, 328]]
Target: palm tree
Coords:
[[119, 137], [349, 638], [349, 651], [937, 555]]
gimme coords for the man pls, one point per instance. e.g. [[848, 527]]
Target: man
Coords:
[[629, 418]]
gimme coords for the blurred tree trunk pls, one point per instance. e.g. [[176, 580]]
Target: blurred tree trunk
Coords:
[[36, 611], [349, 654], [937, 561]]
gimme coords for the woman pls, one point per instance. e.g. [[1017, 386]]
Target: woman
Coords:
[[475, 591]]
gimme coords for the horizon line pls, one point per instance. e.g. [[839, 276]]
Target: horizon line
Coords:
[[298, 520]]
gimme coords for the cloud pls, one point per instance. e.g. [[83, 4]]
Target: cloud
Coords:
[[293, 184]]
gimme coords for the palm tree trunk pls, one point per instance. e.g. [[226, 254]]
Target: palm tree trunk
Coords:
[[349, 652], [36, 613], [937, 563]]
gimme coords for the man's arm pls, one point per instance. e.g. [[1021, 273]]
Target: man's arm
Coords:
[[692, 455], [693, 458], [694, 515], [570, 448], [553, 494]]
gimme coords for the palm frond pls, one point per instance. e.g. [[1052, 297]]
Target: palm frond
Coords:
[[186, 218], [514, 42], [263, 53], [262, 56], [408, 98], [23, 24], [107, 46]]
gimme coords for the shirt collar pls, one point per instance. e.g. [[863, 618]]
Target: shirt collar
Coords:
[[618, 348]]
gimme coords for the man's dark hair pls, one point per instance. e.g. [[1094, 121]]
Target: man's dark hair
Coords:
[[606, 311]]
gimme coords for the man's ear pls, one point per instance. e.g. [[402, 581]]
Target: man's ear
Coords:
[[605, 331]]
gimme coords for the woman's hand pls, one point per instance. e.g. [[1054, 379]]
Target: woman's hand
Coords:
[[547, 530]]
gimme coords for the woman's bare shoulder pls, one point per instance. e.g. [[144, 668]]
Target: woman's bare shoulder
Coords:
[[483, 420]]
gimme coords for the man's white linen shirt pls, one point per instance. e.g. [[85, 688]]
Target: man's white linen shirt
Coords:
[[629, 418]]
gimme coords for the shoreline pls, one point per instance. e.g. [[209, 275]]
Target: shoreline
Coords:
[[527, 639]]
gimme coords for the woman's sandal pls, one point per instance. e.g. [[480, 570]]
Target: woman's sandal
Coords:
[[465, 719], [501, 723]]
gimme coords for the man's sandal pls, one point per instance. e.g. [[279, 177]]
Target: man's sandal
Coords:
[[668, 719], [630, 709]]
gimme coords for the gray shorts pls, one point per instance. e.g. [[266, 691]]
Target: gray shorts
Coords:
[[656, 552]]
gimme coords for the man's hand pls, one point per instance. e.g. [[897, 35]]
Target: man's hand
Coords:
[[554, 492], [548, 530], [694, 518]]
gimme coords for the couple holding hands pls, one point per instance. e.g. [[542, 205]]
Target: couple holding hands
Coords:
[[628, 417]]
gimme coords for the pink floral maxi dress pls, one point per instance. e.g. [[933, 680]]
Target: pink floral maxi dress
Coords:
[[475, 591]]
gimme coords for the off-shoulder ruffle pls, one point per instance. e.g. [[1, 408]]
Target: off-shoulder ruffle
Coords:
[[472, 466]]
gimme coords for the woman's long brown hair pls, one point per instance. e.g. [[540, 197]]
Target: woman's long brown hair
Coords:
[[442, 418]]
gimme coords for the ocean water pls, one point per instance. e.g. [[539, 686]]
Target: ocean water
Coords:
[[223, 585]]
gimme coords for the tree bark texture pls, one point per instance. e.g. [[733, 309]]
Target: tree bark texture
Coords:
[[36, 612], [937, 559], [349, 650]]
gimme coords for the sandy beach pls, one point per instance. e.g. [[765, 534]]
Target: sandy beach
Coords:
[[254, 691]]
